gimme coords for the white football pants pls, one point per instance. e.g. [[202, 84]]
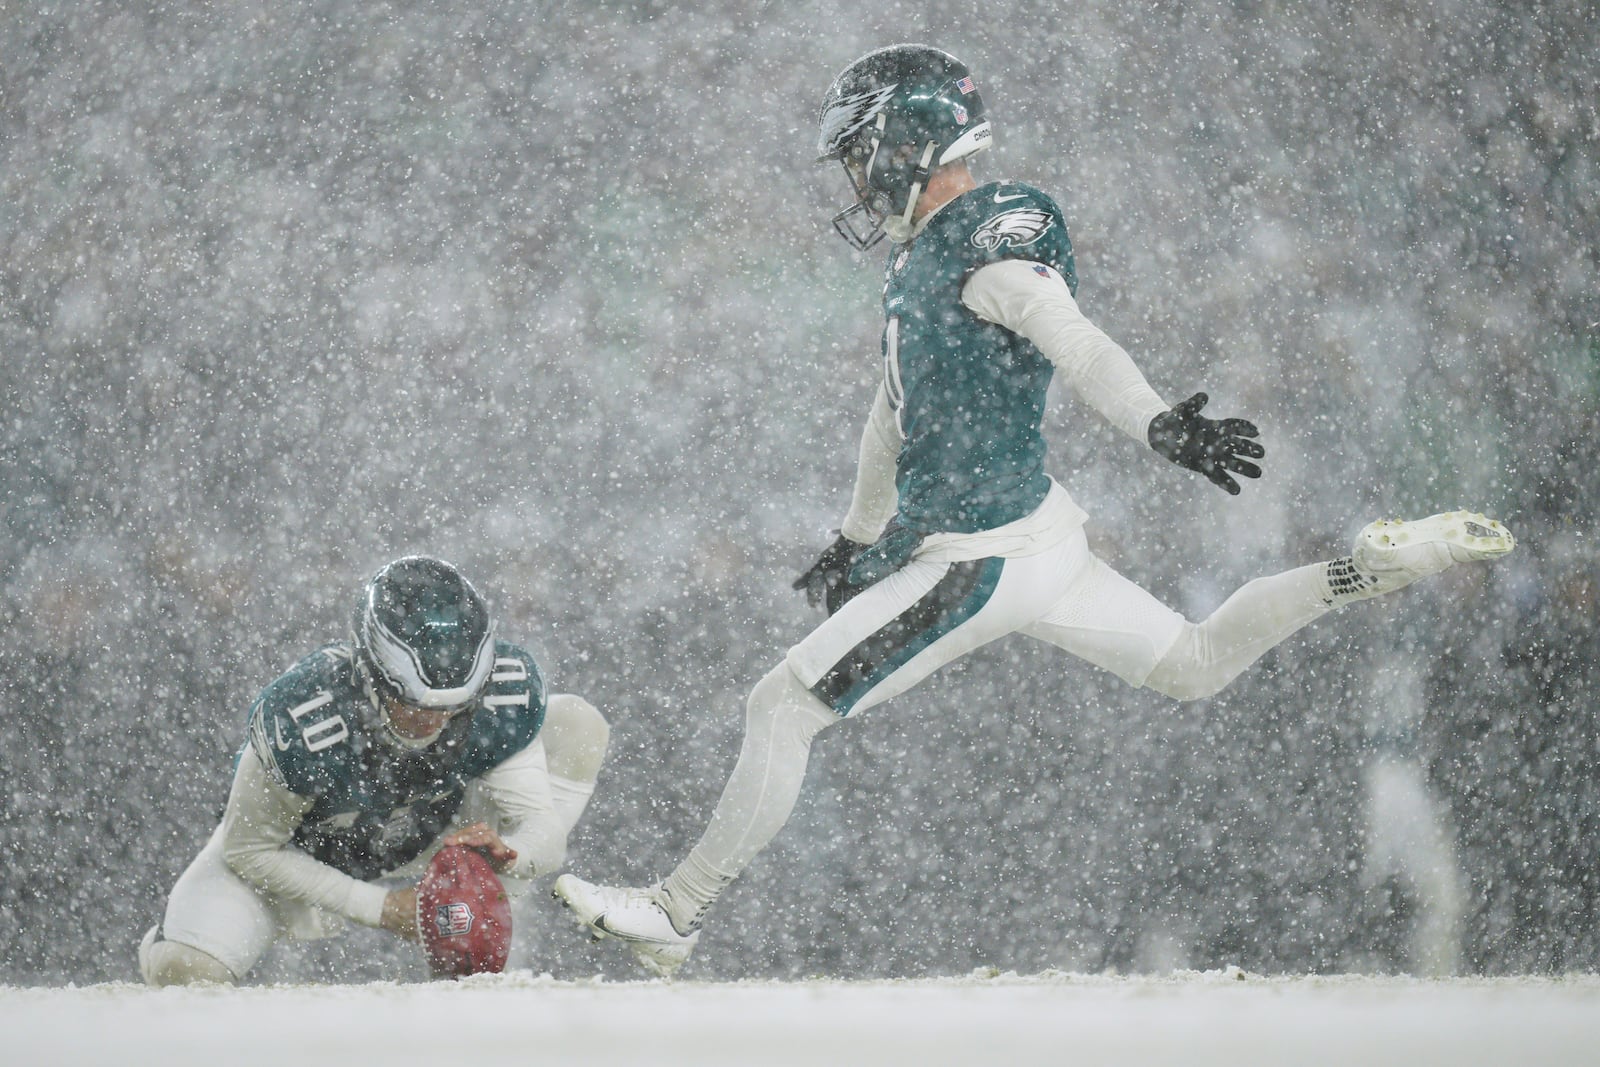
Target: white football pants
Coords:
[[902, 629]]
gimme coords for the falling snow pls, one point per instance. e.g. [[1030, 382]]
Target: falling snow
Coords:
[[287, 290]]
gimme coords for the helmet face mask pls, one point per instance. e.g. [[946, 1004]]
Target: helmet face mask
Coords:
[[410, 726], [892, 117], [872, 206], [423, 645]]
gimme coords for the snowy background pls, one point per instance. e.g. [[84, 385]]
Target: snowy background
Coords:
[[548, 289]]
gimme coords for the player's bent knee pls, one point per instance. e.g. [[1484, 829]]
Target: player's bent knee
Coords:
[[780, 697], [172, 963], [576, 737], [1188, 671], [1184, 686]]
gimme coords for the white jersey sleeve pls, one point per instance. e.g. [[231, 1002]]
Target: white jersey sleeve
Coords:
[[260, 819], [1033, 300], [875, 499]]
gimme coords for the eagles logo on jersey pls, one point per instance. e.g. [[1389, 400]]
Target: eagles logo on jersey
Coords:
[[1012, 229]]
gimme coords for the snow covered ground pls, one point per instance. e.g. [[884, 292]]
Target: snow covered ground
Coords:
[[1224, 1018]]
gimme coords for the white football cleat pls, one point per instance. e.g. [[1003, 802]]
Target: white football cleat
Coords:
[[635, 917], [1392, 553]]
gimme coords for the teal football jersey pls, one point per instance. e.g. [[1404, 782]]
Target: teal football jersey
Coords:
[[969, 395], [376, 805]]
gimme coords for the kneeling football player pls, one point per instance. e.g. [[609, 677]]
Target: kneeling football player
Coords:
[[363, 760]]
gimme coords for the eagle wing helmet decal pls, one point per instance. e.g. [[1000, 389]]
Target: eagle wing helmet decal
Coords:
[[848, 116]]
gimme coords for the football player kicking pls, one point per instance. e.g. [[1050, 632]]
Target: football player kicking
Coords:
[[955, 534], [362, 761]]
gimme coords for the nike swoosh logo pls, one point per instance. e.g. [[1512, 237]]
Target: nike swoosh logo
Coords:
[[280, 743], [604, 927], [1007, 199]]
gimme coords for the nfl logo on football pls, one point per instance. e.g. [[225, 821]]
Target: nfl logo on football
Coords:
[[453, 919]]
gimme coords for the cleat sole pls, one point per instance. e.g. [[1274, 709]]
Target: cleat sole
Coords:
[[1468, 535]]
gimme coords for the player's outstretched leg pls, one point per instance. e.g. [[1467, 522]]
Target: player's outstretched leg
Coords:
[[1392, 553], [636, 917]]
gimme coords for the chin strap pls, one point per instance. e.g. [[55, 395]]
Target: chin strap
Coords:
[[901, 228]]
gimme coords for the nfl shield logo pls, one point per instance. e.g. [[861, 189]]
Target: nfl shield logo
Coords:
[[961, 115], [452, 919]]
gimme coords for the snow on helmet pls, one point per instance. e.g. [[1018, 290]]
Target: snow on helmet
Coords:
[[891, 118], [422, 635]]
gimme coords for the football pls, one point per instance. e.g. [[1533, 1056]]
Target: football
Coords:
[[463, 915]]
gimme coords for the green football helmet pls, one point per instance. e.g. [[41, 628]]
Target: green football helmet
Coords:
[[422, 636], [891, 118]]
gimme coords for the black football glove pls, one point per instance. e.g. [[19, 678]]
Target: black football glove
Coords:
[[1214, 447], [828, 580]]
